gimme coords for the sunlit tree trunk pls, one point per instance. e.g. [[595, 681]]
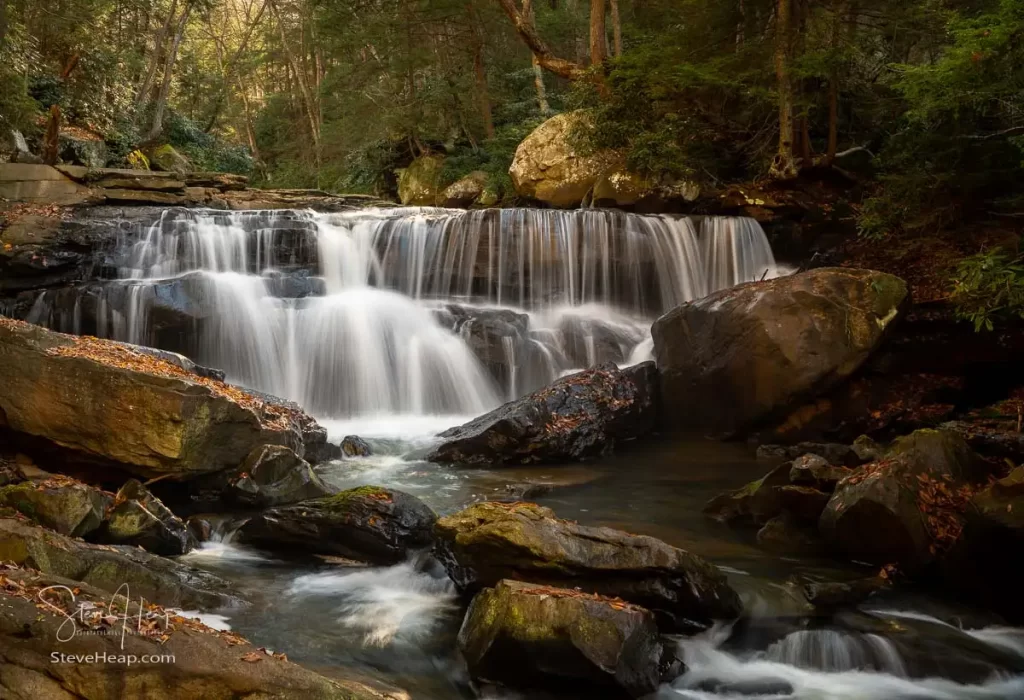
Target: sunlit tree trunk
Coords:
[[165, 86], [616, 27], [308, 103], [538, 72], [598, 32]]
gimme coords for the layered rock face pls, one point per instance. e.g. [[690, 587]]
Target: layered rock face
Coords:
[[488, 542], [105, 401], [743, 355], [579, 417]]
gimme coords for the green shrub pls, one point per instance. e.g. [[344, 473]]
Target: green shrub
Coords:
[[989, 287]]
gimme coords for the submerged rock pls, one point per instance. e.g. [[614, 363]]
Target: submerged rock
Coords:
[[200, 662], [488, 542], [355, 446], [104, 401], [579, 417], [155, 578], [59, 503], [369, 523], [832, 595], [528, 636], [784, 534], [744, 355], [139, 518]]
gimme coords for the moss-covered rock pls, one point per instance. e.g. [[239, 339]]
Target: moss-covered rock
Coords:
[[466, 192], [488, 542], [369, 523], [61, 504], [747, 355], [165, 157], [155, 578], [547, 167], [355, 446], [528, 636], [579, 417], [419, 185], [139, 518]]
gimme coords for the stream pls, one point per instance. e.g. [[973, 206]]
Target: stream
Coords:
[[396, 324]]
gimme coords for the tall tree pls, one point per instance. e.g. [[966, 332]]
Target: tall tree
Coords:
[[784, 164]]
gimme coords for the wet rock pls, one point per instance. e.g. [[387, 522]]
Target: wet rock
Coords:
[[815, 471], [744, 355], [272, 475], [579, 417], [783, 534], [59, 503], [206, 664], [488, 542], [355, 446], [982, 563], [499, 338], [832, 453], [141, 519], [368, 523], [831, 595], [528, 636], [875, 517], [159, 580], [199, 527], [592, 341], [154, 418], [754, 504]]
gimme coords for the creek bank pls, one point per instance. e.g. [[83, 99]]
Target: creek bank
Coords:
[[579, 417], [926, 506], [488, 542], [205, 663]]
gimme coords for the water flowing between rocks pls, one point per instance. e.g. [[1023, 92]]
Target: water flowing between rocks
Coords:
[[396, 324]]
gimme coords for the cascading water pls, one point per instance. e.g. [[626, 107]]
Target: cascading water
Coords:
[[416, 311]]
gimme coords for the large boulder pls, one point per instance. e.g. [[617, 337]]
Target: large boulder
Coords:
[[39, 647], [165, 157], [579, 417], [744, 355], [368, 523], [488, 542], [984, 563], [159, 580], [548, 168], [463, 193], [59, 503], [107, 402], [141, 519], [419, 185], [907, 508], [528, 636]]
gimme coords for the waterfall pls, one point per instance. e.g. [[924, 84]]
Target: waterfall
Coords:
[[417, 311]]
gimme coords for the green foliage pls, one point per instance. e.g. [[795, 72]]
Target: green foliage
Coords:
[[204, 150], [989, 287]]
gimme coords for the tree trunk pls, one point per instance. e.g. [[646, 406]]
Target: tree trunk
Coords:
[[833, 118], [547, 60], [480, 71], [598, 33], [51, 140], [741, 25], [165, 87], [784, 163], [307, 97], [616, 27], [538, 72], [155, 60]]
